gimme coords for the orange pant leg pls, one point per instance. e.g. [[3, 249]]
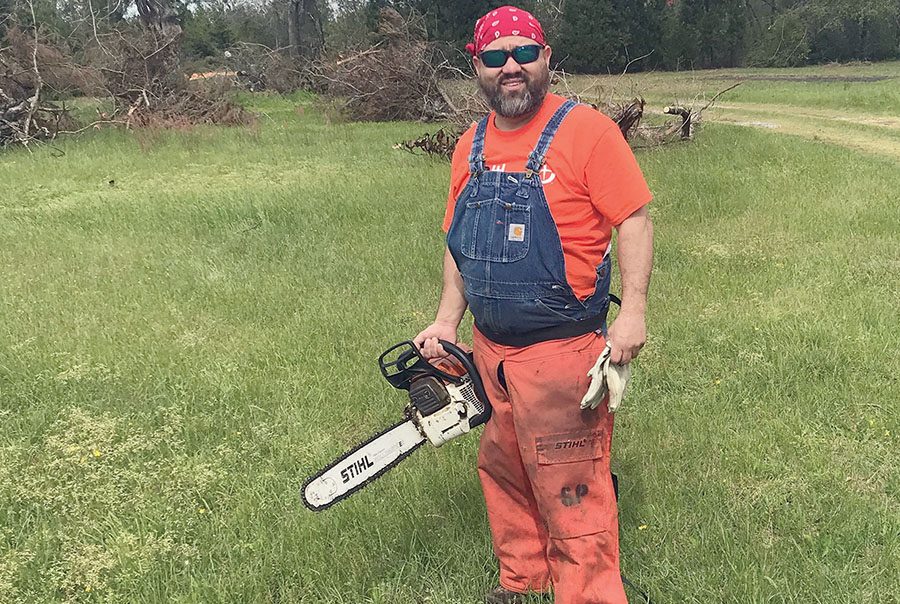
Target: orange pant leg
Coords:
[[518, 533], [565, 456]]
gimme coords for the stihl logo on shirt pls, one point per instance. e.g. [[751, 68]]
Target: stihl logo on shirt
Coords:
[[356, 468], [547, 175]]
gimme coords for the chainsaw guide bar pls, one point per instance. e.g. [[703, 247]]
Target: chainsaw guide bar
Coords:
[[360, 466], [446, 400]]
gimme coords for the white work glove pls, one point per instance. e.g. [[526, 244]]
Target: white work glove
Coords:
[[606, 378]]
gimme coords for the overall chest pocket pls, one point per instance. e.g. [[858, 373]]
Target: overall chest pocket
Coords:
[[495, 230]]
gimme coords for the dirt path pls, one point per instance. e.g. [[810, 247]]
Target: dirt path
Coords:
[[885, 121], [802, 78], [870, 133]]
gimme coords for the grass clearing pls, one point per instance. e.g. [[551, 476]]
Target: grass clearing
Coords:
[[852, 105], [191, 322], [850, 88]]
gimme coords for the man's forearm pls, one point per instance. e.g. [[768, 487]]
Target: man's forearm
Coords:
[[635, 254], [453, 295]]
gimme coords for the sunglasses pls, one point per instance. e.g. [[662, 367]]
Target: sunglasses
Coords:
[[520, 54]]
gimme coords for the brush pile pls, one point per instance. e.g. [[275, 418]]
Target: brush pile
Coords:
[[257, 68], [627, 115], [398, 77], [136, 69], [32, 70], [141, 74]]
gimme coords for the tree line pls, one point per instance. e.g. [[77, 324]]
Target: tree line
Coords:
[[588, 36]]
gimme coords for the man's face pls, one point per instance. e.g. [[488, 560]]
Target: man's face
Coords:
[[514, 90]]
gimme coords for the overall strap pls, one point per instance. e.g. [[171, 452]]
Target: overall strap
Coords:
[[476, 157], [536, 159]]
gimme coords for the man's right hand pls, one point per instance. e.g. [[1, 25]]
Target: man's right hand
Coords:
[[427, 340]]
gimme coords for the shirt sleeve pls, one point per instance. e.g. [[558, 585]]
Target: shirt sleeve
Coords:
[[615, 182]]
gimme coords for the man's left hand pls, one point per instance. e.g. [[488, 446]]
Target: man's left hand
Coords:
[[627, 336]]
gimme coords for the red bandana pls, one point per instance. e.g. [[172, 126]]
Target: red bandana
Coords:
[[505, 21]]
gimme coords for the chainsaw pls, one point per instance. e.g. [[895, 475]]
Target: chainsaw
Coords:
[[446, 400]]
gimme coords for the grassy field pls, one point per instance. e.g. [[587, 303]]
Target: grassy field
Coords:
[[855, 106], [189, 323]]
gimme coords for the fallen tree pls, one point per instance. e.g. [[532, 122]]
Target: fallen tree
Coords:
[[442, 142], [690, 117]]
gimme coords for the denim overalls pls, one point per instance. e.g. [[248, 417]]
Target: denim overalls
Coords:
[[508, 251]]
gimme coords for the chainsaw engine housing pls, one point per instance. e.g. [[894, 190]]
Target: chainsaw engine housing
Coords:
[[447, 397]]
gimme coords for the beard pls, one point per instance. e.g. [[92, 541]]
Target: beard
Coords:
[[518, 103]]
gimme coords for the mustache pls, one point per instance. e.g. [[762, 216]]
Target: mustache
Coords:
[[513, 78]]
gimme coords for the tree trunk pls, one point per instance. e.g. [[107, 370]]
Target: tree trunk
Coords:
[[312, 36], [159, 16], [687, 121], [294, 10], [305, 34]]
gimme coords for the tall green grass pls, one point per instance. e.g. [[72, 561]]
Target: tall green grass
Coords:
[[190, 322]]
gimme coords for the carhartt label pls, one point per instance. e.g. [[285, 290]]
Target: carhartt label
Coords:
[[355, 469], [516, 232]]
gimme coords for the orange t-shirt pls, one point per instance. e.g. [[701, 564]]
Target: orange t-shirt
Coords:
[[591, 180]]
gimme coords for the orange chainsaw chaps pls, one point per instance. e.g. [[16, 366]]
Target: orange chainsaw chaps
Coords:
[[544, 469]]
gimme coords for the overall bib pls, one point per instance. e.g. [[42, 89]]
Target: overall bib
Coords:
[[507, 249], [543, 463]]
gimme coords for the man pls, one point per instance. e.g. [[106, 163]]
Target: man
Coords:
[[536, 189]]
